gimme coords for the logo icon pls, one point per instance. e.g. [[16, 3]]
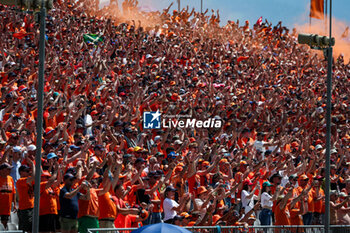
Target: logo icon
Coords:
[[151, 120]]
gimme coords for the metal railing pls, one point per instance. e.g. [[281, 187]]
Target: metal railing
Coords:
[[240, 229], [12, 231]]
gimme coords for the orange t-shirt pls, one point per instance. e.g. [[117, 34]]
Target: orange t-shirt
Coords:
[[310, 200], [282, 216], [108, 209], [318, 205], [193, 183], [7, 191], [156, 196], [25, 194], [295, 217], [50, 122], [120, 220], [130, 221], [57, 192], [131, 196], [89, 207], [48, 200]]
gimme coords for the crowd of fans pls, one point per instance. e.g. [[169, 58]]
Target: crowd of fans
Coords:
[[101, 168]]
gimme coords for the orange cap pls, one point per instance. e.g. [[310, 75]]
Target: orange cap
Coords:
[[201, 190], [190, 224], [45, 174], [95, 176], [130, 150], [243, 162], [223, 161], [206, 163], [192, 139], [216, 218], [48, 130]]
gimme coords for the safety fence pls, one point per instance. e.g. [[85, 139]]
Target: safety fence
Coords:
[[239, 229]]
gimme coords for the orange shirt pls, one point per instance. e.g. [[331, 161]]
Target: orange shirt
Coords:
[[108, 209], [179, 183], [156, 196], [310, 200], [130, 221], [48, 201], [318, 205], [282, 216], [25, 194], [131, 196], [193, 183], [7, 191], [50, 122], [57, 192], [89, 207], [120, 220], [295, 216]]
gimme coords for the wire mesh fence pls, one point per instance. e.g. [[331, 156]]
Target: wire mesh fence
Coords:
[[238, 229]]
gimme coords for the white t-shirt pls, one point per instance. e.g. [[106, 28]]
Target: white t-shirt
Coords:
[[266, 200], [259, 145], [168, 206], [88, 121], [2, 113], [248, 204], [203, 209]]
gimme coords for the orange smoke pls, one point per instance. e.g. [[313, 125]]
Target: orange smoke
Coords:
[[342, 45], [128, 12]]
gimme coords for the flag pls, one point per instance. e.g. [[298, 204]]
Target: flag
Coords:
[[345, 33], [20, 35], [242, 58], [92, 38], [317, 9], [259, 22]]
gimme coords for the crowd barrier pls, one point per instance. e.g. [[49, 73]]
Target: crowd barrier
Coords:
[[237, 229]]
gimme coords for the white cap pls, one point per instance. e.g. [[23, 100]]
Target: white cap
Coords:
[[319, 146], [31, 147], [178, 142], [218, 102], [224, 150], [156, 138], [148, 56], [319, 110], [333, 151]]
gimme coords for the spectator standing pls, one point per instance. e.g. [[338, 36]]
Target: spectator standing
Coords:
[[248, 195], [265, 216], [68, 198], [25, 189], [88, 210], [48, 203], [7, 193]]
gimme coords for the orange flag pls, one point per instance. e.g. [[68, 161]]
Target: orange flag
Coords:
[[20, 35], [242, 58], [317, 9]]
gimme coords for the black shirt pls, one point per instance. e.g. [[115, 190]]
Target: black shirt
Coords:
[[69, 207]]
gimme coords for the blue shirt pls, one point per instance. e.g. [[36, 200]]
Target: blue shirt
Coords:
[[69, 207], [14, 171]]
